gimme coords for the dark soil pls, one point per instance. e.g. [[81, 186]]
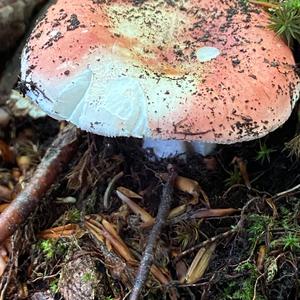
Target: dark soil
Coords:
[[258, 260]]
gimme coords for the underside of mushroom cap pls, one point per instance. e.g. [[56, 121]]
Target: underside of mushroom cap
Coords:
[[190, 70]]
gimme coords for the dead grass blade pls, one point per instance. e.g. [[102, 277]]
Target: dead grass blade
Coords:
[[199, 264], [129, 193], [94, 230], [59, 232], [265, 4], [191, 187], [106, 232], [217, 212], [114, 239], [144, 215], [110, 228], [261, 257], [177, 211], [119, 247]]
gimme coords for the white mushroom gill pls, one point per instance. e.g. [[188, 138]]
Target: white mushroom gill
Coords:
[[113, 107], [118, 105]]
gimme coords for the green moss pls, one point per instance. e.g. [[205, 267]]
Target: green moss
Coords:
[[51, 248], [88, 277], [54, 286], [257, 225], [73, 215], [263, 154], [234, 177], [285, 21], [285, 18], [244, 289]]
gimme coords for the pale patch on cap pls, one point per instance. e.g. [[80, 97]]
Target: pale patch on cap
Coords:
[[207, 53]]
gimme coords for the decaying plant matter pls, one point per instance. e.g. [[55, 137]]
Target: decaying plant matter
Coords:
[[57, 156], [231, 231], [203, 241]]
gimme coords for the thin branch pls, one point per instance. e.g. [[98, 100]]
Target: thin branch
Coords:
[[56, 157], [295, 188], [161, 217], [220, 236], [265, 4], [205, 243]]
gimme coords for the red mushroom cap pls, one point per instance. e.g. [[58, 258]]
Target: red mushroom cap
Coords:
[[192, 70]]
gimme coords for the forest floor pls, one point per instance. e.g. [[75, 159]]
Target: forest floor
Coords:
[[233, 232]]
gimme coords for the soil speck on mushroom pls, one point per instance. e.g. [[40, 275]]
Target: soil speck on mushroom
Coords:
[[196, 70]]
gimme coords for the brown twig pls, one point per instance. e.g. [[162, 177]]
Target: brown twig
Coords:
[[222, 235], [204, 214], [265, 4], [205, 243], [56, 157], [293, 189], [161, 217]]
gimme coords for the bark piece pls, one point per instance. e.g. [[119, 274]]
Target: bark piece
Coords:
[[80, 279]]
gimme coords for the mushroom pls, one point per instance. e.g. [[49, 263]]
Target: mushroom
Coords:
[[173, 72]]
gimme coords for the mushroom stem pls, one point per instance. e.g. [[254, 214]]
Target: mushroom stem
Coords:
[[203, 148], [167, 148]]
